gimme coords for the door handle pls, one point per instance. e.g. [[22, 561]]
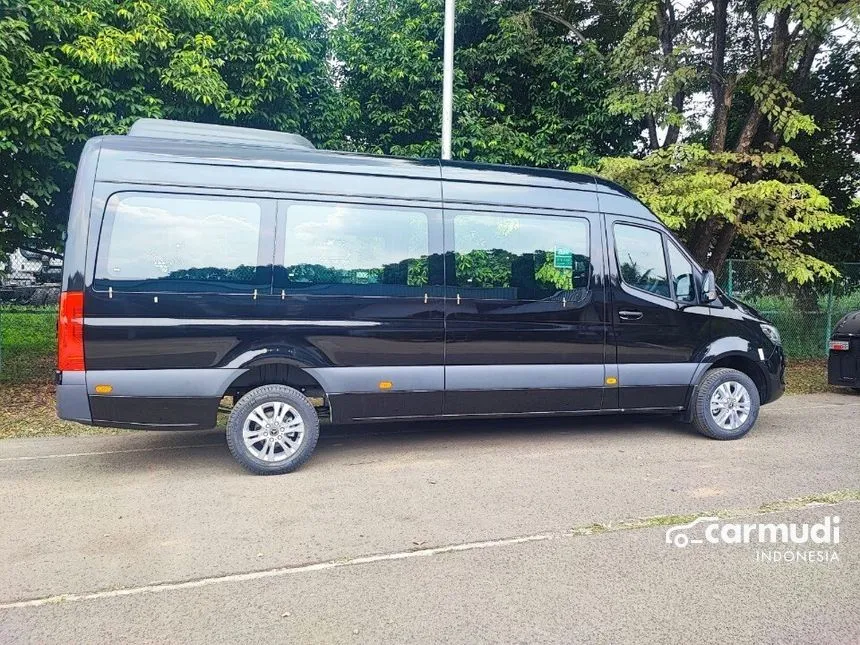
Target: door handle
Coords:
[[630, 315]]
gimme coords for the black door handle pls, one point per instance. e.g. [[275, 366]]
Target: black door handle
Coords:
[[630, 315]]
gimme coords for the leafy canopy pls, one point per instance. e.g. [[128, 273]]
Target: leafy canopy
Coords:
[[525, 91], [686, 184], [72, 69]]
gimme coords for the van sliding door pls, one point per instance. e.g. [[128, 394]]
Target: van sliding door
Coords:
[[362, 290], [525, 326]]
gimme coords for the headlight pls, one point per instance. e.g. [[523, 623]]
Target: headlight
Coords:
[[772, 333]]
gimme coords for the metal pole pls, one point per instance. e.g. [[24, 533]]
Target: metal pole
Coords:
[[829, 329], [730, 287], [448, 79]]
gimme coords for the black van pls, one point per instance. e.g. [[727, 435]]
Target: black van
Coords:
[[210, 261]]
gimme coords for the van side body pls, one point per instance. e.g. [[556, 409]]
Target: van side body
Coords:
[[444, 324]]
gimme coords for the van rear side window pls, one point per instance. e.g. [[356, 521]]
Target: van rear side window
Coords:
[[179, 243]]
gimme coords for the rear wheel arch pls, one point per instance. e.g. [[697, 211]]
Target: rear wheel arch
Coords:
[[277, 372]]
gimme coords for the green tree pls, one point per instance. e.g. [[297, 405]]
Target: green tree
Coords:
[[72, 69], [831, 155], [773, 213], [528, 89], [751, 60]]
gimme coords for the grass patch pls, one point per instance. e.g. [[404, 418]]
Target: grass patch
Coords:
[[778, 506], [28, 345], [808, 377], [28, 410], [834, 497]]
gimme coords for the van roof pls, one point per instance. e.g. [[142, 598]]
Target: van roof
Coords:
[[189, 144]]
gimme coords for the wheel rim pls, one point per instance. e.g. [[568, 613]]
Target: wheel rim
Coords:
[[730, 405], [273, 431]]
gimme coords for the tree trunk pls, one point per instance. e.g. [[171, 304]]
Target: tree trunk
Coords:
[[776, 68], [653, 141], [666, 28], [721, 88], [700, 240], [674, 130], [804, 67], [722, 246]]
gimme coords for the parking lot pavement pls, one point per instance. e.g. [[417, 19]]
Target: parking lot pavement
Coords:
[[467, 526]]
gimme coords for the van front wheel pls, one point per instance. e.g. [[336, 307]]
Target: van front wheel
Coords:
[[726, 404], [272, 430]]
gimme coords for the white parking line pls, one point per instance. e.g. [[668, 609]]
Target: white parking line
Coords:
[[108, 452], [623, 525], [280, 571], [813, 407]]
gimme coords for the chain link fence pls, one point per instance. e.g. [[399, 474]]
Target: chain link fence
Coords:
[[805, 314], [29, 291]]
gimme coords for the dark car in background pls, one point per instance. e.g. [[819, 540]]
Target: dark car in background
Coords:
[[843, 363]]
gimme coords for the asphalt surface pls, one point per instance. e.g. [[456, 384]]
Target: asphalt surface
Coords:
[[450, 532]]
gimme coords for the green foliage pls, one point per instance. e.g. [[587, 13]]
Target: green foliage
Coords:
[[684, 184], [72, 69], [648, 77], [28, 344], [525, 92], [366, 75], [753, 63], [832, 154]]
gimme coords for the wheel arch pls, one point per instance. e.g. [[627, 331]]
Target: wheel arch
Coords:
[[277, 371], [737, 360], [742, 363]]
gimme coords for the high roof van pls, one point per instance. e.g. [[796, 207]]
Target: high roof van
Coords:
[[205, 262]]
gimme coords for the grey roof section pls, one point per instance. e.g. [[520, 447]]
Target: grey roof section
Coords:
[[185, 131]]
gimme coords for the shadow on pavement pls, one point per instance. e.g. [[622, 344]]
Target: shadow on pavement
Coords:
[[346, 445]]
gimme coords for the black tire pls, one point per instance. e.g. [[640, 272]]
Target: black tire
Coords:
[[704, 421], [260, 397]]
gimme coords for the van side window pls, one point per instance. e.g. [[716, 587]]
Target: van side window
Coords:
[[682, 275], [333, 249], [521, 257], [182, 243], [641, 259]]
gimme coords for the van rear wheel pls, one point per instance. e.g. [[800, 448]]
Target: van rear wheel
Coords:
[[726, 404], [272, 430]]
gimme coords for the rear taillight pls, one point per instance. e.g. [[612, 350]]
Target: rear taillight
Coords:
[[839, 345], [70, 332]]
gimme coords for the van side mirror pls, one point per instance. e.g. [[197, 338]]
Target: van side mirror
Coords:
[[709, 286]]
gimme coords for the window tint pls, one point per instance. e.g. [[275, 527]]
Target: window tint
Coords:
[[682, 275], [357, 250], [521, 257], [641, 259], [181, 243]]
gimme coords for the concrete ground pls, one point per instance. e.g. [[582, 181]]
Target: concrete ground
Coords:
[[512, 531]]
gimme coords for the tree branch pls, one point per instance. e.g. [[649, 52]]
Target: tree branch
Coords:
[[576, 33]]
